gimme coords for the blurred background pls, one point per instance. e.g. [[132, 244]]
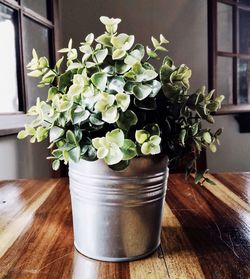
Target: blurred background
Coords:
[[212, 37]]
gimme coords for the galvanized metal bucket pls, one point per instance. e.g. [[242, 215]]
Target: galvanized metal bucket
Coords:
[[117, 215]]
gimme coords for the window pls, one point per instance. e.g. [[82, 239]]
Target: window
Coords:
[[229, 52], [24, 24]]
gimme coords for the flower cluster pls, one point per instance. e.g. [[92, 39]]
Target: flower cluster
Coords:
[[112, 104]]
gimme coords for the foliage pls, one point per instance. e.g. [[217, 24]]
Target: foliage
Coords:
[[112, 104]]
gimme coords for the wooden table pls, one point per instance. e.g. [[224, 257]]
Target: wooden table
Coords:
[[205, 234]]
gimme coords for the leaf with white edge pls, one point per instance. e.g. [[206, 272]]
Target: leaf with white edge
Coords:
[[123, 101], [146, 75], [105, 40], [22, 134], [55, 133], [118, 54], [151, 53], [102, 152], [116, 136], [116, 84], [99, 79], [141, 136], [70, 136], [111, 115], [128, 149], [79, 117], [155, 140], [58, 64], [86, 48], [75, 154], [146, 148], [121, 67], [156, 87], [36, 73], [56, 165], [207, 137], [163, 40], [119, 40], [114, 156], [155, 42], [213, 148], [141, 91], [126, 120], [100, 55], [98, 142], [95, 120], [89, 38]]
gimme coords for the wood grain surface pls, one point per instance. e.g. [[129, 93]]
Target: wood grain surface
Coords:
[[205, 233]]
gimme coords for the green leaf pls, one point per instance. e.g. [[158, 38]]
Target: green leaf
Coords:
[[52, 92], [141, 91], [153, 129], [146, 104], [128, 149], [120, 166], [75, 154], [55, 133], [126, 120], [99, 79], [182, 136], [64, 80], [55, 165], [70, 136]]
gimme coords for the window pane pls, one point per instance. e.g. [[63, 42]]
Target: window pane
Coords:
[[244, 80], [224, 78], [8, 58], [225, 29], [244, 31], [245, 2], [39, 6], [37, 37]]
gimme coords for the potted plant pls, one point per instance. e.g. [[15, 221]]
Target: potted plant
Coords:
[[120, 123]]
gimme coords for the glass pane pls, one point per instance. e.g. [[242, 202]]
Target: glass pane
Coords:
[[244, 80], [225, 29], [37, 37], [245, 2], [39, 6], [8, 58], [244, 31], [225, 78]]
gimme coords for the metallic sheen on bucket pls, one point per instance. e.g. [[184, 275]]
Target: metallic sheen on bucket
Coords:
[[117, 215]]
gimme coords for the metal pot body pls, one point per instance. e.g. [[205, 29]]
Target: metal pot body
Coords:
[[117, 215]]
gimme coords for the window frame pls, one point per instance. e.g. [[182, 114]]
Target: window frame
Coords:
[[214, 53], [13, 122]]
